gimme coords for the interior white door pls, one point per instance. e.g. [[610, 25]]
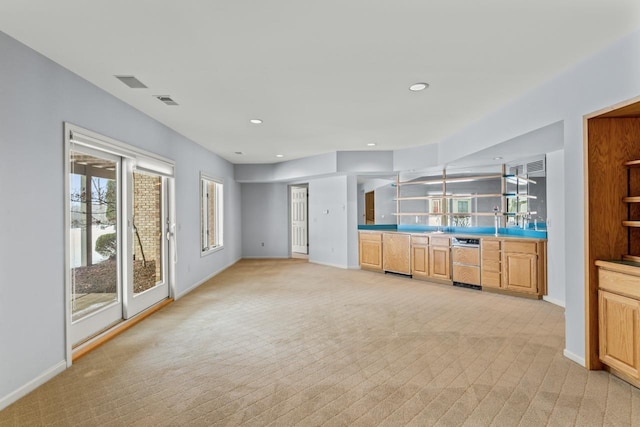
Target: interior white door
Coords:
[[299, 243], [146, 262]]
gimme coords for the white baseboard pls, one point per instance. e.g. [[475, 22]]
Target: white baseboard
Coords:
[[554, 301], [195, 285], [33, 384], [574, 357], [328, 264], [266, 257]]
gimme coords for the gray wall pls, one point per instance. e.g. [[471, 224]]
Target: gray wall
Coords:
[[36, 97], [265, 219], [328, 221], [556, 231]]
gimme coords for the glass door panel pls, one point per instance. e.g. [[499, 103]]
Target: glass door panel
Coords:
[[147, 245], [148, 263], [93, 238]]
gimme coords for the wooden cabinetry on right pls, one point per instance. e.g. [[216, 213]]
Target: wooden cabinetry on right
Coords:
[[619, 318]]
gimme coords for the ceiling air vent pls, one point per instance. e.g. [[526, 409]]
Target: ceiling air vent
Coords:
[[132, 82], [166, 99], [536, 166]]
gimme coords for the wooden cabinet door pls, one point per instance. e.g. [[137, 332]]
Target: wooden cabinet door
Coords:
[[397, 253], [420, 260], [520, 272], [440, 262], [371, 251], [619, 325]]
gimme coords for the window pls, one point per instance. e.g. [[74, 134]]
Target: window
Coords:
[[211, 202]]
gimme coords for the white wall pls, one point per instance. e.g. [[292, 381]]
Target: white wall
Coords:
[[329, 220], [36, 97], [556, 230], [265, 220]]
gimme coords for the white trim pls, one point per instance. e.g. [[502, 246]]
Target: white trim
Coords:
[[574, 357], [270, 257], [86, 137], [134, 157], [67, 248], [201, 282], [33, 384], [554, 301], [328, 264], [218, 225]]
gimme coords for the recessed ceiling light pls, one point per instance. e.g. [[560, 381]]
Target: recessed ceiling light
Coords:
[[256, 121], [239, 153], [279, 155], [497, 158], [417, 87], [371, 144]]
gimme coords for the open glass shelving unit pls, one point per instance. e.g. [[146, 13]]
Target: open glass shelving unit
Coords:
[[463, 198]]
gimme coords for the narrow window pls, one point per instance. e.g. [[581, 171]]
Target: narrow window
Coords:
[[211, 214]]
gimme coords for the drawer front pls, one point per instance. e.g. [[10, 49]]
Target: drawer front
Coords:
[[490, 245], [439, 241], [466, 256], [490, 265], [491, 279], [466, 274], [490, 255], [376, 237], [419, 240], [520, 247], [619, 283]]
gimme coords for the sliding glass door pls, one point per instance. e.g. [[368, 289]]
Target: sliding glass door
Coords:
[[94, 237], [119, 220], [147, 249]]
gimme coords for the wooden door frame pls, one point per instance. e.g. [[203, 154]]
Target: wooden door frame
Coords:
[[366, 207], [592, 359]]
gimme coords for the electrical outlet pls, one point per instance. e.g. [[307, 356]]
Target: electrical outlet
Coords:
[[262, 244]]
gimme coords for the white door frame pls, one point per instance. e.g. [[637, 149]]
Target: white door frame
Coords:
[[291, 218], [144, 160]]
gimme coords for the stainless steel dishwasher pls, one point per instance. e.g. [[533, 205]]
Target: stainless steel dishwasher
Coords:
[[465, 257]]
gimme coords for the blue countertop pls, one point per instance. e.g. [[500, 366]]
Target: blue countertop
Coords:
[[481, 231]]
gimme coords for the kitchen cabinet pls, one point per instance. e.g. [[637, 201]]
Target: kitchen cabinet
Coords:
[[520, 267], [370, 246], [490, 268], [440, 258], [620, 332], [420, 257], [396, 256], [619, 318], [516, 266]]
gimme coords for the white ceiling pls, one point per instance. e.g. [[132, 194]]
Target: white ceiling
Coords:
[[324, 75]]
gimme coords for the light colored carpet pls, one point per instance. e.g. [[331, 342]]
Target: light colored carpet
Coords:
[[285, 342]]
